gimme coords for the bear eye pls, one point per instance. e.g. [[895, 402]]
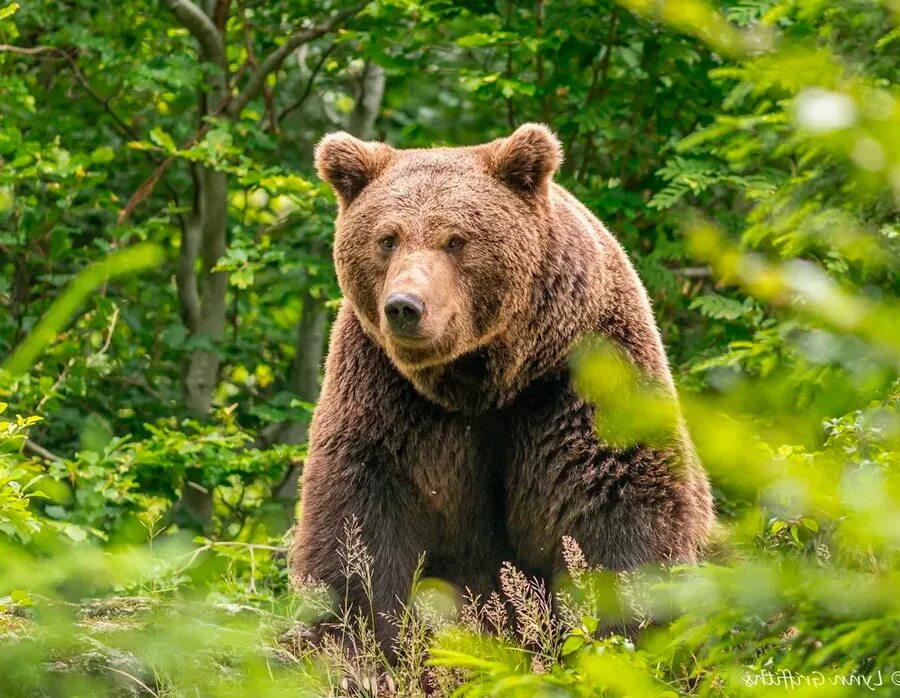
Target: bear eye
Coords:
[[388, 243], [455, 243]]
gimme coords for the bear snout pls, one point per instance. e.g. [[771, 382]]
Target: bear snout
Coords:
[[404, 312]]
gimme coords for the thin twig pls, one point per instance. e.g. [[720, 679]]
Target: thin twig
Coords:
[[123, 126], [147, 187], [101, 100], [194, 554], [71, 362], [129, 380], [36, 449], [694, 272], [57, 384], [30, 50], [251, 59], [109, 333], [598, 87], [309, 85], [232, 106]]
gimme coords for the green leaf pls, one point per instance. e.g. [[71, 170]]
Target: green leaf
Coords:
[[76, 533], [103, 154], [475, 40], [21, 597], [9, 10], [162, 139], [719, 307], [572, 644]]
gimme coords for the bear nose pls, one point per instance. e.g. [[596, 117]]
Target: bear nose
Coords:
[[403, 312]]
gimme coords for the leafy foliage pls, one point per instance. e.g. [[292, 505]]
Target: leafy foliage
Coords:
[[16, 484]]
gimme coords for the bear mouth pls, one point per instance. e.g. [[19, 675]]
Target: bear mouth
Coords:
[[416, 341], [413, 350], [417, 352]]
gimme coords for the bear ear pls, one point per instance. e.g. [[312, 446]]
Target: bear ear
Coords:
[[349, 164], [526, 160]]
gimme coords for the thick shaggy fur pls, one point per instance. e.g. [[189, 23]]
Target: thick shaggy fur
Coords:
[[470, 444]]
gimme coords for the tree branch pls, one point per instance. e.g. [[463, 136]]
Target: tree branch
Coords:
[[201, 27], [694, 272], [30, 51], [137, 383], [309, 84], [598, 87], [143, 191], [37, 450], [251, 59], [274, 60], [220, 14], [102, 101], [370, 92]]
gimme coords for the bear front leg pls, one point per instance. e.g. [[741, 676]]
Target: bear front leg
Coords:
[[352, 478], [626, 506], [359, 534]]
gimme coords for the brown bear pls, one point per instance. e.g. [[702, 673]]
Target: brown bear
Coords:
[[449, 424]]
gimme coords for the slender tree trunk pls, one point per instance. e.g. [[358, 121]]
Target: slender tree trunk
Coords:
[[368, 101], [203, 363], [310, 350], [204, 237]]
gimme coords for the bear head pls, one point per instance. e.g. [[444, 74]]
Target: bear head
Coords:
[[437, 249]]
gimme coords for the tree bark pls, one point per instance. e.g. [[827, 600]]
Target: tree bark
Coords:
[[204, 236], [203, 364], [307, 359], [370, 92]]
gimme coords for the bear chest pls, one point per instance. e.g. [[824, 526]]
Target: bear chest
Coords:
[[456, 464]]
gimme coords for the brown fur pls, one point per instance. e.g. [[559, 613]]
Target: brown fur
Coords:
[[469, 443]]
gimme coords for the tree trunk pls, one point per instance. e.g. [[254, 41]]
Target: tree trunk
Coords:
[[204, 236], [310, 350], [203, 363], [368, 101]]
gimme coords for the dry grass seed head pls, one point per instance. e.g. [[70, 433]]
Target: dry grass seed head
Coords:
[[532, 605], [574, 559]]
